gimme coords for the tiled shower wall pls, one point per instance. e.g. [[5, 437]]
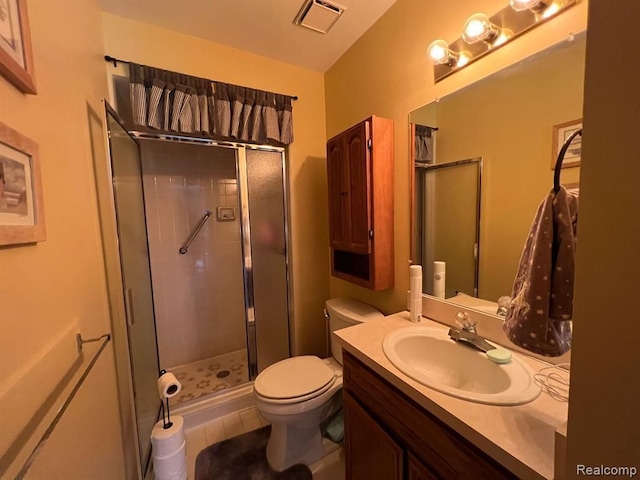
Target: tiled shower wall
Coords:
[[198, 297]]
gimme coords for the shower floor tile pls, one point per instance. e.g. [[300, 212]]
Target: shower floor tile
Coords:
[[211, 375]]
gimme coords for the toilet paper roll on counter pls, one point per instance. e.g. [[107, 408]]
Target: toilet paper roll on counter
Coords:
[[166, 441], [168, 385]]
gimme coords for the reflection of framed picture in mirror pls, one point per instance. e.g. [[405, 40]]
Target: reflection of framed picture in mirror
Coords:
[[21, 211], [561, 132], [16, 60]]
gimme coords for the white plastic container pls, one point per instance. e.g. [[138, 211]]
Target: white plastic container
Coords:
[[439, 279]]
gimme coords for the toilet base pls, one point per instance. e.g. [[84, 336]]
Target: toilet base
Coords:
[[292, 444]]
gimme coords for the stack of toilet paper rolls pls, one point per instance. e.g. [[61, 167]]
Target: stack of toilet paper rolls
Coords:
[[168, 444], [169, 450]]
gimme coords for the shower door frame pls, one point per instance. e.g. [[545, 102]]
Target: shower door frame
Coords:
[[119, 304], [247, 271], [424, 235]]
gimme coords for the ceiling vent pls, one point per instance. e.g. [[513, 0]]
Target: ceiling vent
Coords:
[[318, 15]]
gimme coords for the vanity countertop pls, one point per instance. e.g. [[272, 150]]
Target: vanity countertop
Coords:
[[522, 438]]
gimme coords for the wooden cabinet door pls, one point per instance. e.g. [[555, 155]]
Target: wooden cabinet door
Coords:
[[370, 453], [349, 178], [417, 471], [359, 188], [338, 179]]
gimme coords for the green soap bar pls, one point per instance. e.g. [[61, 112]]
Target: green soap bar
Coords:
[[499, 355]]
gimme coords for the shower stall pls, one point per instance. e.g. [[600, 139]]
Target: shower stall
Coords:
[[203, 251]]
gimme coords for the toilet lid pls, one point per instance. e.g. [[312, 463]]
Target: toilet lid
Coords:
[[293, 377]]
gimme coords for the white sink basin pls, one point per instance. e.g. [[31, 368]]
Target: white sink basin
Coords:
[[430, 357]]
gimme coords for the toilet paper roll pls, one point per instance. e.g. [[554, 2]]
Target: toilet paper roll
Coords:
[[167, 441], [168, 385], [171, 467]]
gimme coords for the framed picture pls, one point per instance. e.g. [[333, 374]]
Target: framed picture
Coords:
[[16, 59], [561, 132], [21, 210]]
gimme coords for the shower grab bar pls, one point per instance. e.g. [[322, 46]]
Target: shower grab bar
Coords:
[[45, 436], [185, 246]]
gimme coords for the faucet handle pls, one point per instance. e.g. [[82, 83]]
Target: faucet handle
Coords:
[[464, 322]]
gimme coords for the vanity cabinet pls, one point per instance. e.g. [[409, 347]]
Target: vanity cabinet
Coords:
[[360, 178], [388, 436]]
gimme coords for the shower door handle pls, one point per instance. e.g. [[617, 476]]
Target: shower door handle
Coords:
[[128, 307]]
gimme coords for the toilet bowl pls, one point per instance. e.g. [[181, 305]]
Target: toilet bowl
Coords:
[[297, 394]]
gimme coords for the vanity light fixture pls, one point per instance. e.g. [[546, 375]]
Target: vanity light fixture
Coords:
[[483, 34]]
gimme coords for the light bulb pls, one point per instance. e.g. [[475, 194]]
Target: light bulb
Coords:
[[534, 5], [439, 52], [478, 28]]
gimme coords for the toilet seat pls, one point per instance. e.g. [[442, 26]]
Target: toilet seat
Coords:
[[294, 380]]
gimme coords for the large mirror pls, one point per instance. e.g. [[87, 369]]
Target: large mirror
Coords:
[[512, 121]]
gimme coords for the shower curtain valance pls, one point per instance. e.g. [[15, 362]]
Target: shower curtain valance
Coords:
[[173, 102]]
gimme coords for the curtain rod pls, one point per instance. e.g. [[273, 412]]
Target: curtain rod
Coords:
[[115, 62]]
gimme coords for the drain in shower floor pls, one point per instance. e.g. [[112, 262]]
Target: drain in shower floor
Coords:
[[223, 373]]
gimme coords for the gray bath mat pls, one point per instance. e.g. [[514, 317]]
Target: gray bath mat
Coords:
[[244, 458]]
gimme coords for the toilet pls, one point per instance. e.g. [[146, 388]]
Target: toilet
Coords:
[[297, 394]]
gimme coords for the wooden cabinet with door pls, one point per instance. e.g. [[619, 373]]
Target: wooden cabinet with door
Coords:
[[360, 177], [389, 437], [372, 453]]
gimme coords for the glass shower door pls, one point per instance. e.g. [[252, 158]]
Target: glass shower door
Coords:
[[136, 277], [268, 245], [451, 191]]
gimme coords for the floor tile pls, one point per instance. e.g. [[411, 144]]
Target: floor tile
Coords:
[[250, 420], [330, 467], [214, 431], [232, 425], [195, 442]]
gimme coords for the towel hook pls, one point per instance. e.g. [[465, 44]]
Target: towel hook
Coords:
[[563, 150]]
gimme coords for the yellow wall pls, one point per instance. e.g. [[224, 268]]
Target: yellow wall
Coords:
[[170, 50], [386, 73], [58, 285], [604, 425]]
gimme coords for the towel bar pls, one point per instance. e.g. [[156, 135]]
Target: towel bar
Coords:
[[45, 436]]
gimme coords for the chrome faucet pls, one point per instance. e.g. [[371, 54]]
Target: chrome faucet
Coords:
[[467, 333]]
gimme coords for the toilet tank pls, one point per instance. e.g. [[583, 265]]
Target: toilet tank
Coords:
[[344, 312]]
